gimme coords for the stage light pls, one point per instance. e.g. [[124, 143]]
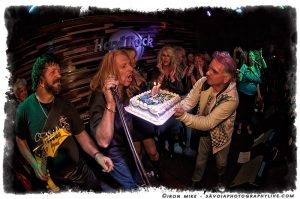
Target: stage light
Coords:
[[84, 10], [239, 10], [280, 7], [31, 9], [208, 13]]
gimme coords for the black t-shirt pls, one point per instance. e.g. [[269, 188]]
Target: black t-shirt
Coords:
[[119, 147], [30, 121]]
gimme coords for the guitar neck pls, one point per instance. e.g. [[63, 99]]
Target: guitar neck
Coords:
[[43, 161]]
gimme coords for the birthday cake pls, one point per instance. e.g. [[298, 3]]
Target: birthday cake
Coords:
[[154, 108]]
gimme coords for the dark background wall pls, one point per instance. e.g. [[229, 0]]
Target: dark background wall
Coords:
[[71, 35]]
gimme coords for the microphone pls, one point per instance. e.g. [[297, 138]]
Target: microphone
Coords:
[[114, 90]]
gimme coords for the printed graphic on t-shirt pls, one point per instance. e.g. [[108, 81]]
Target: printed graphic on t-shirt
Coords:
[[49, 142]]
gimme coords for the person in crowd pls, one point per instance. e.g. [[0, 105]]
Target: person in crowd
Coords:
[[16, 165], [182, 67], [199, 69], [46, 126], [169, 78], [186, 82], [249, 89], [207, 58], [115, 71], [144, 133], [259, 59], [239, 56], [181, 60], [190, 59], [217, 100], [20, 90]]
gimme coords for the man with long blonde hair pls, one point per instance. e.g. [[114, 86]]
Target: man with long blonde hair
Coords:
[[114, 71]]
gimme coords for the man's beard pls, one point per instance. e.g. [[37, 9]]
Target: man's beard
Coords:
[[51, 89]]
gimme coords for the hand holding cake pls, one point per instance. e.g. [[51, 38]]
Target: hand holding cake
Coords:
[[179, 111]]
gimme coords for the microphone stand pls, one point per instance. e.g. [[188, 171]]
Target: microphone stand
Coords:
[[137, 161]]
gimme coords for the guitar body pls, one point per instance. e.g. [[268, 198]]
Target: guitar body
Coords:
[[53, 141]]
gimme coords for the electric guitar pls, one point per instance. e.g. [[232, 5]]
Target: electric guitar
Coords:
[[48, 144]]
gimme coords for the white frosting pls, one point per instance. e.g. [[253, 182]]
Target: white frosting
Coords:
[[157, 108]]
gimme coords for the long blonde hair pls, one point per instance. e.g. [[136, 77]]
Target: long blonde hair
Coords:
[[107, 67], [173, 59]]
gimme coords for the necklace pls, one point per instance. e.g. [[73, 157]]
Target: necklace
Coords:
[[43, 110], [42, 106]]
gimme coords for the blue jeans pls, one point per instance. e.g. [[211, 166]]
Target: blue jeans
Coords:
[[126, 177]]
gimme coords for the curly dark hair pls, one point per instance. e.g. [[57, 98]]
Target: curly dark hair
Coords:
[[39, 67]]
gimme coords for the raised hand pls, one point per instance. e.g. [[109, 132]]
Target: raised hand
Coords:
[[173, 72], [190, 71], [179, 111], [260, 52], [159, 66], [109, 83]]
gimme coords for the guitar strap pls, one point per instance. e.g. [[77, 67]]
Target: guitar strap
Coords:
[[53, 116], [52, 120]]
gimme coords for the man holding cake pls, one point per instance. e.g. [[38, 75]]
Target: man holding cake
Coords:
[[217, 100]]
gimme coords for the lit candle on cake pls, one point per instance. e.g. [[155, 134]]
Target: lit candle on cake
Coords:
[[153, 89], [158, 87]]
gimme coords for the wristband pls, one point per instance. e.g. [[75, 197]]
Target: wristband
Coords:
[[95, 155]]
